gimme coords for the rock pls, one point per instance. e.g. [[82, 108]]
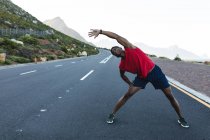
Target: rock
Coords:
[[40, 59], [84, 53], [16, 41], [2, 57], [74, 45], [35, 21]]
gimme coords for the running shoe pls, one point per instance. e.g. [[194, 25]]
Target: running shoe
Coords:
[[110, 119], [183, 123]]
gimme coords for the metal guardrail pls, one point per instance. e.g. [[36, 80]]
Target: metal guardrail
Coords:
[[12, 31]]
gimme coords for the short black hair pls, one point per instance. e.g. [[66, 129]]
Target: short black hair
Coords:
[[114, 48]]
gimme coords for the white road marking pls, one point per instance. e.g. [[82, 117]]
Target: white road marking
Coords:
[[43, 110], [58, 65], [59, 97], [83, 78], [28, 72], [73, 62], [19, 130], [106, 59]]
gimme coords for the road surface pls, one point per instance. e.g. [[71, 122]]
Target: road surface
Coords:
[[71, 99]]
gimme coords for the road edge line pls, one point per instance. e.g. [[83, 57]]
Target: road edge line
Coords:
[[205, 100]]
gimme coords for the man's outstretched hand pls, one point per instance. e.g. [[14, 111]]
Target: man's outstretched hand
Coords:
[[94, 32]]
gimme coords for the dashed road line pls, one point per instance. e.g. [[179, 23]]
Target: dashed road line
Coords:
[[106, 59], [58, 66], [83, 78], [28, 72], [43, 110]]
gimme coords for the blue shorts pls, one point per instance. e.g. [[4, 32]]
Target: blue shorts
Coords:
[[156, 77]]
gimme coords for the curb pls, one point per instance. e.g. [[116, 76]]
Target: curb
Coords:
[[197, 94], [33, 63], [51, 61]]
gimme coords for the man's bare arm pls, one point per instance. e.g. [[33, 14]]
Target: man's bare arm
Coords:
[[125, 78], [123, 41]]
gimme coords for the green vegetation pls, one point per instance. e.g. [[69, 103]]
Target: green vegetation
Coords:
[[152, 55], [177, 58], [2, 50], [162, 57], [18, 59], [27, 39]]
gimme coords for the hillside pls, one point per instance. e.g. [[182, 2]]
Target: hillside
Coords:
[[23, 38], [58, 24]]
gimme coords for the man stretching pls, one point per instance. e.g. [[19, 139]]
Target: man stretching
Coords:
[[135, 61]]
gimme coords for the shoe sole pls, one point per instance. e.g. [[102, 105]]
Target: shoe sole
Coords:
[[183, 125]]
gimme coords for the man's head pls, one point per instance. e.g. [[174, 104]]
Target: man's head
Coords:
[[117, 51]]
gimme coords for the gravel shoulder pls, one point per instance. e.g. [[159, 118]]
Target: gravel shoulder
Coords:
[[194, 75]]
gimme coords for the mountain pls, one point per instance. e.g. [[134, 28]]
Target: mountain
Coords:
[[58, 24], [23, 38], [170, 52], [107, 43]]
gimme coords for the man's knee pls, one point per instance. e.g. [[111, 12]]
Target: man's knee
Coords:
[[170, 96], [127, 96], [131, 92]]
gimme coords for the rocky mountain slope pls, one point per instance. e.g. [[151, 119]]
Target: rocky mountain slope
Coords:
[[58, 24], [24, 38]]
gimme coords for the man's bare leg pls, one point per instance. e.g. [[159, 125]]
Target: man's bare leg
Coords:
[[175, 104], [173, 101], [131, 91]]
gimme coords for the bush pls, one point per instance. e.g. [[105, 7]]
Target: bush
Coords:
[[8, 44], [8, 62], [152, 55], [61, 57], [19, 59], [2, 50], [162, 57], [177, 58], [64, 49], [51, 57], [29, 40]]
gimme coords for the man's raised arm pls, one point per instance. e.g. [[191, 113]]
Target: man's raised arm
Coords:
[[123, 41]]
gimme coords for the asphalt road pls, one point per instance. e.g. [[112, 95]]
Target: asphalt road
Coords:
[[71, 99]]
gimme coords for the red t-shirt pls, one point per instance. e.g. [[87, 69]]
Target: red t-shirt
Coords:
[[136, 62]]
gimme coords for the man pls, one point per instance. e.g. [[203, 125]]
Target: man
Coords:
[[135, 61]]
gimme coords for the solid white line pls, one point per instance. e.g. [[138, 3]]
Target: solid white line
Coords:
[[83, 78], [106, 59], [58, 65], [28, 72]]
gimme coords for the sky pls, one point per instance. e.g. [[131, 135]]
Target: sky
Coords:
[[157, 23]]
